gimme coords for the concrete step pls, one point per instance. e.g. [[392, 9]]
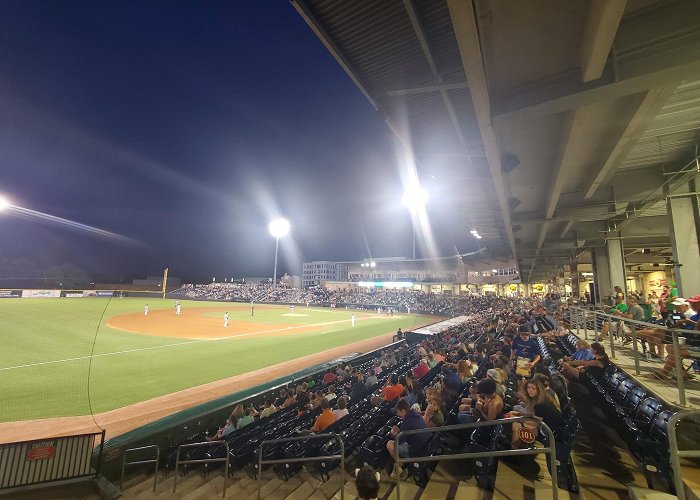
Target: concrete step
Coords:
[[185, 485], [444, 480], [165, 483], [304, 491], [468, 491], [210, 489], [691, 481], [511, 484], [543, 491], [134, 485], [639, 493]]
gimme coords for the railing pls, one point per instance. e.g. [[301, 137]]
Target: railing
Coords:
[[41, 461], [155, 460], [551, 449], [677, 454], [340, 456], [581, 317], [201, 461]]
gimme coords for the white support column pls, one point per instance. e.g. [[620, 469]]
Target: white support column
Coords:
[[683, 218], [616, 261]]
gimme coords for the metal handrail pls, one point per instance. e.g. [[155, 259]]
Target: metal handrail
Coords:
[[551, 449], [675, 453], [674, 332], [156, 461], [202, 461], [341, 456]]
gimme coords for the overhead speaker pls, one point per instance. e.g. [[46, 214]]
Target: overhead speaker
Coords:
[[509, 162]]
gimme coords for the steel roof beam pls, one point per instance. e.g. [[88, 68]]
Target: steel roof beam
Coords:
[[426, 89], [467, 34], [603, 21], [648, 109]]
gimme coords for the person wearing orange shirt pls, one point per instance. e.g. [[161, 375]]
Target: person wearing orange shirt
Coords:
[[325, 419]]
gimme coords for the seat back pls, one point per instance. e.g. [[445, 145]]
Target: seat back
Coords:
[[634, 399], [659, 427], [646, 411]]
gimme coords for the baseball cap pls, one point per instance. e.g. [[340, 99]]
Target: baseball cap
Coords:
[[694, 298], [681, 301], [493, 373]]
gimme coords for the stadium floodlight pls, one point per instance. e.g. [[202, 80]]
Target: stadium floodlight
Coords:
[[279, 228], [4, 203], [414, 198], [372, 264], [475, 234]]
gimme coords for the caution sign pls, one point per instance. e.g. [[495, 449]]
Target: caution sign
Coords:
[[41, 450], [526, 435]]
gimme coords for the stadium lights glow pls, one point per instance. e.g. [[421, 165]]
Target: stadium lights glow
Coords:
[[4, 203], [494, 271], [279, 228], [475, 234], [372, 264], [414, 198]]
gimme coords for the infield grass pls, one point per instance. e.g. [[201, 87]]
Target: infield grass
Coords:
[[59, 358]]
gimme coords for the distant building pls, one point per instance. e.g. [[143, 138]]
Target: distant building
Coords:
[[320, 271], [290, 281]]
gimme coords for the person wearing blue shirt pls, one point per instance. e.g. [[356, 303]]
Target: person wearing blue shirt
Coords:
[[524, 346]]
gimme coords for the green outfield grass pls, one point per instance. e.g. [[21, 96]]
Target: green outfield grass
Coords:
[[46, 369]]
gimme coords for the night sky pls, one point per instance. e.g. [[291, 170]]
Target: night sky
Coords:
[[185, 127]]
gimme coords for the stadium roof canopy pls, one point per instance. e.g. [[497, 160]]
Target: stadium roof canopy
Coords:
[[552, 125]]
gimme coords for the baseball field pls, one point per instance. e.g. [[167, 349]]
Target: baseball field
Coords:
[[63, 357]]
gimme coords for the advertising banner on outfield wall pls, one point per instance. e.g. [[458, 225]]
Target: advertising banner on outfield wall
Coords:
[[71, 293], [10, 294], [98, 293], [41, 294]]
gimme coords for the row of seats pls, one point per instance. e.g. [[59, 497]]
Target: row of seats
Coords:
[[639, 418]]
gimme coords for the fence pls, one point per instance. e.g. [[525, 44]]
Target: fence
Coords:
[[653, 334], [33, 462], [551, 449], [340, 456]]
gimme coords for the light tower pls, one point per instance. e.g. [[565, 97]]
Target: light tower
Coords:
[[279, 228]]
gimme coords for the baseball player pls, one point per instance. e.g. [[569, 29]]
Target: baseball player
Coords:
[[226, 319], [352, 319], [145, 310]]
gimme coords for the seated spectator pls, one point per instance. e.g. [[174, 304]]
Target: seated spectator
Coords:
[[304, 403], [268, 409], [434, 416], [582, 352], [329, 377], [572, 369], [464, 371], [500, 366], [326, 418], [526, 347], [246, 419], [315, 400], [281, 399], [227, 429], [367, 483], [549, 394], [451, 378], [371, 379], [534, 403], [432, 362], [488, 405], [358, 388], [238, 412], [330, 393], [422, 369], [494, 375], [342, 408], [412, 444], [391, 391], [692, 324]]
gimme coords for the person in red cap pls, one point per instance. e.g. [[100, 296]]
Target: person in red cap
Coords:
[[691, 339]]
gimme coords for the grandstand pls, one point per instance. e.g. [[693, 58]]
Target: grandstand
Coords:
[[565, 134]]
